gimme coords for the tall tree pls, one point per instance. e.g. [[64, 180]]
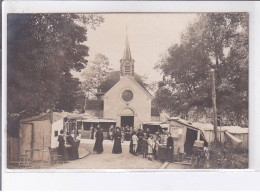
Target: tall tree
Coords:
[[213, 41], [95, 74], [42, 50]]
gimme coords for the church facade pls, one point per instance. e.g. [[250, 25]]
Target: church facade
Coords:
[[127, 101]]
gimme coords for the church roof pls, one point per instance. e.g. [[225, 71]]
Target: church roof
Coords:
[[138, 85], [133, 81], [127, 52]]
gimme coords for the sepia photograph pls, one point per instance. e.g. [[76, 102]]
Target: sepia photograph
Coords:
[[127, 90]]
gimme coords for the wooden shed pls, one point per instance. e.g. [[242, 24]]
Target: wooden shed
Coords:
[[237, 135], [185, 134], [40, 133]]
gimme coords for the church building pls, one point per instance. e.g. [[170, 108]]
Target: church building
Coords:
[[127, 101]]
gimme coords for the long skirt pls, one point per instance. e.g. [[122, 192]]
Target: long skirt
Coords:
[[139, 148], [150, 149], [117, 148], [144, 147], [62, 152], [98, 147], [170, 154]]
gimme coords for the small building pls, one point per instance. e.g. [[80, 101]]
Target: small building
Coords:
[[155, 126], [40, 133], [237, 135], [93, 122], [127, 101], [185, 134]]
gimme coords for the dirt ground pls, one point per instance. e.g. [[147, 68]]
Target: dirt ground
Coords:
[[107, 160]]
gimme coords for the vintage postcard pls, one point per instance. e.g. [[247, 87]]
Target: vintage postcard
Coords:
[[127, 90]]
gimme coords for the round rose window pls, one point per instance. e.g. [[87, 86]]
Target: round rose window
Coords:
[[127, 95]]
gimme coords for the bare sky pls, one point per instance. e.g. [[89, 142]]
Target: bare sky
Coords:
[[150, 35]]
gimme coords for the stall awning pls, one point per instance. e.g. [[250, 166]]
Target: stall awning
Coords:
[[98, 120], [157, 123]]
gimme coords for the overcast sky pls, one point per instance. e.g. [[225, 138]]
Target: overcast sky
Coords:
[[149, 35]]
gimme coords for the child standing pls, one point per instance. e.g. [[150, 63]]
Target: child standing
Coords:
[[135, 143], [150, 147]]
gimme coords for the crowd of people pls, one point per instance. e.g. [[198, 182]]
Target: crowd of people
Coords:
[[148, 144], [142, 142]]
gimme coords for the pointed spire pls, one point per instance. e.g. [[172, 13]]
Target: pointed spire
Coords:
[[127, 52], [127, 63]]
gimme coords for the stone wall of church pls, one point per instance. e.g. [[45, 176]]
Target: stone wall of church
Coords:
[[115, 106]]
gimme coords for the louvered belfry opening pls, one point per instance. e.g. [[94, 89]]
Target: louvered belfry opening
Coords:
[[127, 63]]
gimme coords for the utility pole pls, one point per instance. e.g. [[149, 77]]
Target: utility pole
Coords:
[[214, 105]]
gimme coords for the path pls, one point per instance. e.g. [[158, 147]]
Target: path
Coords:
[[107, 160]]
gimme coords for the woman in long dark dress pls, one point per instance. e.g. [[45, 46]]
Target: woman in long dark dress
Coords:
[[170, 148], [117, 148], [140, 136], [61, 148], [98, 147]]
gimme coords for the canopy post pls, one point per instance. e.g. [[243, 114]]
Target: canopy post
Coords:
[[198, 135]]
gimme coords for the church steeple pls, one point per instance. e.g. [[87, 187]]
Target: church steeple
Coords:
[[127, 63], [127, 52]]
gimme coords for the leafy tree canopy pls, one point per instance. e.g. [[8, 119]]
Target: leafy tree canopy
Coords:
[[216, 41], [42, 50]]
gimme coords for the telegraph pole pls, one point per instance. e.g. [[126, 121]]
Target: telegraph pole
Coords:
[[214, 105]]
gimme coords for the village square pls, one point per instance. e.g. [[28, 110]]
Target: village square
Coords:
[[127, 91]]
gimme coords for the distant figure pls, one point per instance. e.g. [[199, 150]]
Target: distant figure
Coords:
[[170, 148], [62, 149], [144, 147], [140, 136], [150, 147], [91, 134], [98, 147], [117, 148], [127, 133], [148, 132], [135, 143], [131, 143], [73, 151], [110, 132], [123, 134], [156, 145], [92, 131], [75, 132]]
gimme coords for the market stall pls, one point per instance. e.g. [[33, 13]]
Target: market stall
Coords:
[[162, 147], [153, 127], [92, 122]]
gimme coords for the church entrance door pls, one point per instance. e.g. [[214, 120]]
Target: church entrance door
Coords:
[[127, 121]]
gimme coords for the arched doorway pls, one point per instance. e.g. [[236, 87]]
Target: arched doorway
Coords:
[[127, 117]]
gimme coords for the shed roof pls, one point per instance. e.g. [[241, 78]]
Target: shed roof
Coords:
[[230, 129], [52, 116], [188, 124]]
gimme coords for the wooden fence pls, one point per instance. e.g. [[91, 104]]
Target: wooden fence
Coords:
[[12, 149]]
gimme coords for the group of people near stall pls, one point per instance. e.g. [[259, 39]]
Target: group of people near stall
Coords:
[[147, 145], [68, 146], [141, 143]]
